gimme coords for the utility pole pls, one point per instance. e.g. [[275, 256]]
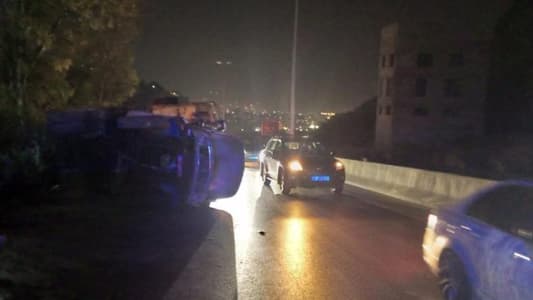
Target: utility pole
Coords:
[[292, 110]]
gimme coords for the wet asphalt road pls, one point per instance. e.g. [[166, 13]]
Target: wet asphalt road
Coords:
[[314, 245]]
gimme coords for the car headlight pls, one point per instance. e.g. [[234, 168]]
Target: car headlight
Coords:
[[338, 166], [432, 221], [295, 166]]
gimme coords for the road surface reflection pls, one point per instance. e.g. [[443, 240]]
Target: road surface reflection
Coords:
[[242, 209], [295, 244]]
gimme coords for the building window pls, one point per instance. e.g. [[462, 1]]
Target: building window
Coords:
[[383, 61], [420, 111], [421, 87], [380, 109], [452, 88], [424, 60], [456, 60], [391, 60], [388, 87], [388, 110], [384, 86]]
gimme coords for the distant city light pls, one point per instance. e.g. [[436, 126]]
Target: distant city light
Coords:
[[227, 62], [328, 115], [257, 129], [153, 86]]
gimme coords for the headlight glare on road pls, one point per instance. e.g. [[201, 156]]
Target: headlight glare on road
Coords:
[[338, 166], [295, 166]]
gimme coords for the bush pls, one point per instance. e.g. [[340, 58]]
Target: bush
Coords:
[[23, 165]]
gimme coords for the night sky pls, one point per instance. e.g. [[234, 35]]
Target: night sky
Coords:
[[180, 41]]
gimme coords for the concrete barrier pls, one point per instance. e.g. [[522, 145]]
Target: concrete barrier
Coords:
[[419, 187]]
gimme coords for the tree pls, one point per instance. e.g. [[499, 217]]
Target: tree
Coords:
[[103, 72], [61, 53], [146, 93], [355, 127]]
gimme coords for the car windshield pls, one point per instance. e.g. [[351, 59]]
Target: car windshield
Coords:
[[308, 147], [252, 145], [252, 141]]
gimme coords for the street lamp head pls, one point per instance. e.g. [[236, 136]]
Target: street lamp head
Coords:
[[228, 62], [219, 62]]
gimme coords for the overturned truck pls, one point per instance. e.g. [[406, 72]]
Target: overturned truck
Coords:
[[194, 164]]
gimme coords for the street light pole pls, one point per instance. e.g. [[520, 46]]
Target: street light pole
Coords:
[[293, 71]]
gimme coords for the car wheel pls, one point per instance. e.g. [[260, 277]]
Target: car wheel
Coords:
[[264, 176], [453, 283], [285, 188], [338, 189]]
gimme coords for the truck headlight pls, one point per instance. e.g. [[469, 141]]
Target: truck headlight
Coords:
[[338, 166]]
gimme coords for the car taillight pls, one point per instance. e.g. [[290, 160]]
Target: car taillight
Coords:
[[432, 221]]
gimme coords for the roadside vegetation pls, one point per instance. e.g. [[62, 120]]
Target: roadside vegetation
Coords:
[[54, 55], [57, 55]]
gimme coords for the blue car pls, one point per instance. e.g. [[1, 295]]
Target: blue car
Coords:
[[482, 247]]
